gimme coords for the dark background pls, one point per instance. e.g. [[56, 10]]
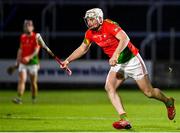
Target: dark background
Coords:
[[131, 15]]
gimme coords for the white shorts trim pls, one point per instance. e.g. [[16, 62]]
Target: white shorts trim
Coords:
[[134, 68], [31, 69]]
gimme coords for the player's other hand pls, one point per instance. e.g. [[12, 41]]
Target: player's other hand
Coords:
[[26, 59], [64, 64], [113, 61]]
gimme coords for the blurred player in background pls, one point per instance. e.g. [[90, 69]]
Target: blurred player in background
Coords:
[[125, 61], [27, 61]]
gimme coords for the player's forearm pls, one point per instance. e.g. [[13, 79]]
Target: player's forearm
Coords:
[[18, 58], [121, 46], [79, 52], [124, 40]]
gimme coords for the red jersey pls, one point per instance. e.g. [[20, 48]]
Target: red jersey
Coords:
[[105, 38], [28, 44]]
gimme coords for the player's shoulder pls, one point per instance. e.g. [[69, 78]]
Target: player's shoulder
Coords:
[[110, 22], [23, 36], [88, 33]]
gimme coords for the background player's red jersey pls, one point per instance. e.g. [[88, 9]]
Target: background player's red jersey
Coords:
[[28, 44]]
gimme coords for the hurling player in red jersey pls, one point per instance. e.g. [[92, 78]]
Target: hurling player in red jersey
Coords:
[[28, 61], [125, 61]]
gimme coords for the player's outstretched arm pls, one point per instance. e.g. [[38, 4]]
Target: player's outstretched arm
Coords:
[[79, 52]]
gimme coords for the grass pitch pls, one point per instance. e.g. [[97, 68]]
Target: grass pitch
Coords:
[[83, 110]]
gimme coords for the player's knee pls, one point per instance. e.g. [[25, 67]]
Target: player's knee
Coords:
[[34, 84], [109, 88], [106, 87], [22, 81], [148, 93]]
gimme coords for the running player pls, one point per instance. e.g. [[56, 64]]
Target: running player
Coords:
[[28, 61], [125, 61]]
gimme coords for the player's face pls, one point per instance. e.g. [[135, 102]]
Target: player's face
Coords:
[[92, 23], [29, 28]]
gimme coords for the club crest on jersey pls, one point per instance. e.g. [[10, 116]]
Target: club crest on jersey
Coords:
[[116, 29], [104, 35], [100, 37], [27, 41]]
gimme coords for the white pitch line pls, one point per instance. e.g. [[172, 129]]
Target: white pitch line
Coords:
[[56, 118], [76, 118]]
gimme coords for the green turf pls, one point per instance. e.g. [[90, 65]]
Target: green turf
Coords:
[[84, 111]]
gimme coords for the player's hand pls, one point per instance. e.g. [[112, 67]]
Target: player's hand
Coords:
[[64, 64], [11, 69], [113, 61], [26, 59]]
